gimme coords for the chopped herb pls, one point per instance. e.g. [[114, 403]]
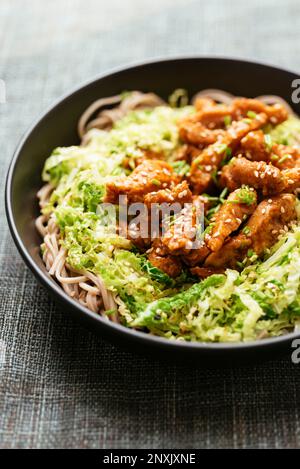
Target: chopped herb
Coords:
[[156, 182], [207, 230], [223, 194], [227, 120], [285, 157], [214, 175], [211, 198], [221, 148], [274, 157], [181, 167], [246, 230], [250, 253], [251, 114], [268, 142], [227, 157]]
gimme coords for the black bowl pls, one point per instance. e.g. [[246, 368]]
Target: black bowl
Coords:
[[57, 127]]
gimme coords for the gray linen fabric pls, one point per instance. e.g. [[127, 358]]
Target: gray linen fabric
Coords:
[[60, 386]]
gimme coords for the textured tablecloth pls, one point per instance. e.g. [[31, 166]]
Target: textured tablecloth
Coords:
[[60, 386]]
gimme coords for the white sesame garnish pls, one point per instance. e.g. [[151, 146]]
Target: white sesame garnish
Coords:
[[282, 209]]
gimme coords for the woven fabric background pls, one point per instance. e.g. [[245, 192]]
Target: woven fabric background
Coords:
[[60, 386]]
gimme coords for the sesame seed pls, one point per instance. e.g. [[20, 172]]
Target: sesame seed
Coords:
[[263, 211], [256, 173], [270, 201], [282, 209], [274, 231]]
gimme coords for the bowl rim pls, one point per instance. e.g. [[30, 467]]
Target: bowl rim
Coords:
[[54, 288]]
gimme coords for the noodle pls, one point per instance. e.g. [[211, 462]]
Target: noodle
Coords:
[[86, 287]]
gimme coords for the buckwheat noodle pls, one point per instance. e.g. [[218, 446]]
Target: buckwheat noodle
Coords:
[[86, 287]]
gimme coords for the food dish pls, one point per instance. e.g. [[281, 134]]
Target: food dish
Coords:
[[216, 253], [51, 131]]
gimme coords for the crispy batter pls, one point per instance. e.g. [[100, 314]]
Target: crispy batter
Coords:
[[197, 133], [149, 176], [130, 163], [276, 113], [160, 258], [253, 147], [261, 232], [205, 166], [212, 116], [181, 239], [260, 175], [180, 193], [239, 205], [204, 272], [204, 103], [187, 153], [233, 251]]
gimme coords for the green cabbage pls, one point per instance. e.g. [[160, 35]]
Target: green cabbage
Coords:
[[287, 133]]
